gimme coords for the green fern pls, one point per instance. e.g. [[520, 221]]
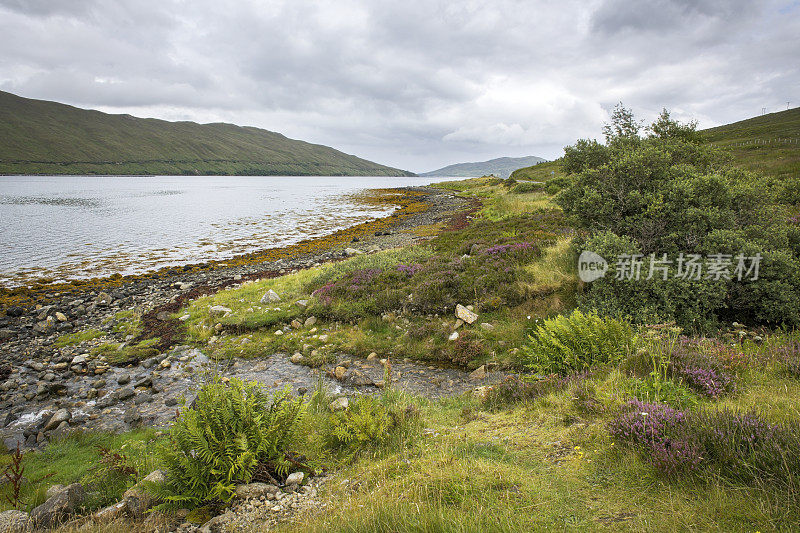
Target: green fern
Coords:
[[574, 343], [219, 443]]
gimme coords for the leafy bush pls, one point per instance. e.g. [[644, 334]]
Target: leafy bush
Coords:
[[233, 429], [527, 187], [568, 344], [667, 193]]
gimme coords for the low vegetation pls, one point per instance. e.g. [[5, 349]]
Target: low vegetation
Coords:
[[633, 406]]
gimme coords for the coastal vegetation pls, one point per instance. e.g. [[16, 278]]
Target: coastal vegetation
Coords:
[[629, 404], [41, 137]]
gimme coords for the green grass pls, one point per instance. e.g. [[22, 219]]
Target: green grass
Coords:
[[122, 354], [40, 137], [544, 465], [71, 458], [746, 140], [407, 315], [71, 339], [540, 172]]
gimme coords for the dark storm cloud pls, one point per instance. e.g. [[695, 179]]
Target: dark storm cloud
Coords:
[[416, 84]]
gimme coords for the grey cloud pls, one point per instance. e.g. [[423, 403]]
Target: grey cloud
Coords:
[[416, 84]]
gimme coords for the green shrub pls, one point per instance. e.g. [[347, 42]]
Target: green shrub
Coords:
[[368, 422], [526, 187], [668, 193], [233, 429], [567, 344]]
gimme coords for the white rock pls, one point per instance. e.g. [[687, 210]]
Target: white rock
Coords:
[[270, 297], [219, 310], [295, 478], [486, 326], [453, 336], [465, 314], [339, 404], [297, 358], [352, 251], [310, 321], [478, 373]]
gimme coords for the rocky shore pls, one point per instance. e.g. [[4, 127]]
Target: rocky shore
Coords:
[[47, 389]]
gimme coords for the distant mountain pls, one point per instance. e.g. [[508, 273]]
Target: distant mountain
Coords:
[[41, 137], [502, 167]]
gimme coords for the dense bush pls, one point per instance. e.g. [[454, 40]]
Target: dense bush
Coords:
[[527, 187], [231, 430], [667, 193], [367, 422], [568, 344], [740, 447]]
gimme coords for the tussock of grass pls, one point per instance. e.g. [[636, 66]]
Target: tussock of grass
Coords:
[[71, 339]]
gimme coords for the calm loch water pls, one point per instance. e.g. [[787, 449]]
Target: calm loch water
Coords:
[[85, 226]]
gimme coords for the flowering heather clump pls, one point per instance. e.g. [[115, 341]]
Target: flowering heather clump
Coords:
[[661, 432], [325, 293], [706, 380], [728, 357], [409, 269], [741, 446], [794, 220], [365, 276], [698, 370]]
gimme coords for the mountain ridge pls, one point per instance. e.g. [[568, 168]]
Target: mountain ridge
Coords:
[[500, 166], [44, 137]]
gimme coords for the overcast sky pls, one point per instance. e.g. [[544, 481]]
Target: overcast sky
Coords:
[[412, 84]]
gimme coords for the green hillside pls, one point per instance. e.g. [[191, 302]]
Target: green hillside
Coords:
[[41, 137], [541, 172], [768, 144], [500, 167]]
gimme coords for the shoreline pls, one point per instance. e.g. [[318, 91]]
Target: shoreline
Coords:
[[44, 311], [408, 201], [50, 376]]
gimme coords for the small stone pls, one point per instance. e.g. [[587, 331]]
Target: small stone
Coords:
[[61, 317], [465, 314], [458, 324], [339, 404], [270, 297], [323, 338], [217, 327], [297, 358], [478, 373], [350, 252], [219, 310], [302, 303], [310, 321], [296, 324], [251, 491], [123, 379], [14, 521], [486, 326], [339, 372], [279, 332], [453, 336], [372, 356], [295, 479]]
